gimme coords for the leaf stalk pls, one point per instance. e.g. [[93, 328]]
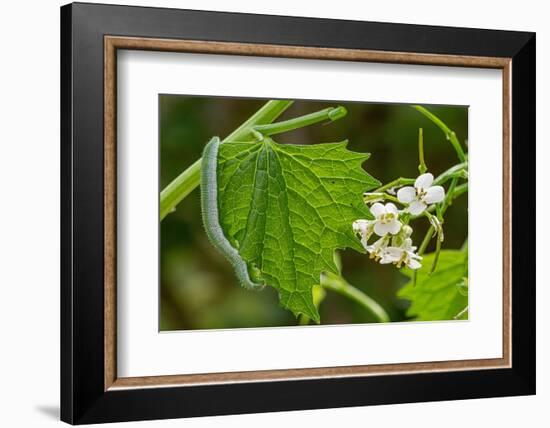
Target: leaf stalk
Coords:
[[329, 114], [189, 179], [449, 134], [336, 283]]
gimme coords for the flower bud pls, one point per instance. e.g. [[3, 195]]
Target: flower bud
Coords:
[[407, 231]]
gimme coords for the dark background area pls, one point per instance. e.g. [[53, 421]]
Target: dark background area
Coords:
[[197, 286]]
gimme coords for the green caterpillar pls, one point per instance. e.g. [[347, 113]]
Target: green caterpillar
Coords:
[[210, 216]]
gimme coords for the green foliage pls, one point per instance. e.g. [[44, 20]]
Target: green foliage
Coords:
[[287, 208], [439, 295], [197, 286]]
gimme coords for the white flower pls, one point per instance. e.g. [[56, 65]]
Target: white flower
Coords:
[[421, 195], [400, 252], [364, 229], [377, 250], [404, 254], [385, 219]]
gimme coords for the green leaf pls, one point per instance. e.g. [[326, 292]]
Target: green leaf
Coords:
[[287, 208], [441, 295]]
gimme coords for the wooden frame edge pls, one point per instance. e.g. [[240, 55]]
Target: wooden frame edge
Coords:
[[109, 198], [112, 43], [507, 213], [300, 374], [301, 52]]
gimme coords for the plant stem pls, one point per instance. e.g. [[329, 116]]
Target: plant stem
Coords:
[[331, 114], [436, 257], [422, 248], [453, 193], [451, 173], [449, 197], [451, 136], [369, 197], [459, 190], [426, 241], [189, 179], [392, 198], [339, 285], [179, 188], [401, 181], [422, 168]]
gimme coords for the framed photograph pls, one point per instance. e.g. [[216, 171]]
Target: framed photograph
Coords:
[[266, 213]]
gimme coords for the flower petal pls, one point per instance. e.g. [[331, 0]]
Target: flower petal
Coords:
[[379, 246], [385, 260], [434, 195], [360, 226], [394, 227], [377, 209], [381, 229], [424, 181], [413, 264], [394, 253], [416, 207], [414, 256], [406, 194], [391, 255], [391, 208]]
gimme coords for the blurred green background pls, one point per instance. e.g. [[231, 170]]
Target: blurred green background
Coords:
[[198, 289]]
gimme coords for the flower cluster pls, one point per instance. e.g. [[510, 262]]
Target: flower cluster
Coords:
[[394, 244]]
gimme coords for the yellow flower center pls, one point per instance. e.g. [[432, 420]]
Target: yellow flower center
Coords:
[[420, 193], [387, 218]]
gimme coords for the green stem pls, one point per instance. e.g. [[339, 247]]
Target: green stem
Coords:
[[437, 224], [426, 240], [337, 284], [179, 188], [392, 198], [451, 136], [451, 195], [422, 248], [451, 173], [379, 197], [459, 190], [189, 179], [448, 197], [422, 168], [330, 114], [401, 181], [436, 257]]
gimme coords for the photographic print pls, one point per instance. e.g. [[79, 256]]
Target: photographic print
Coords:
[[287, 206], [293, 212]]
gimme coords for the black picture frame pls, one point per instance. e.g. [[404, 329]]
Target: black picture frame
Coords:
[[83, 396]]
